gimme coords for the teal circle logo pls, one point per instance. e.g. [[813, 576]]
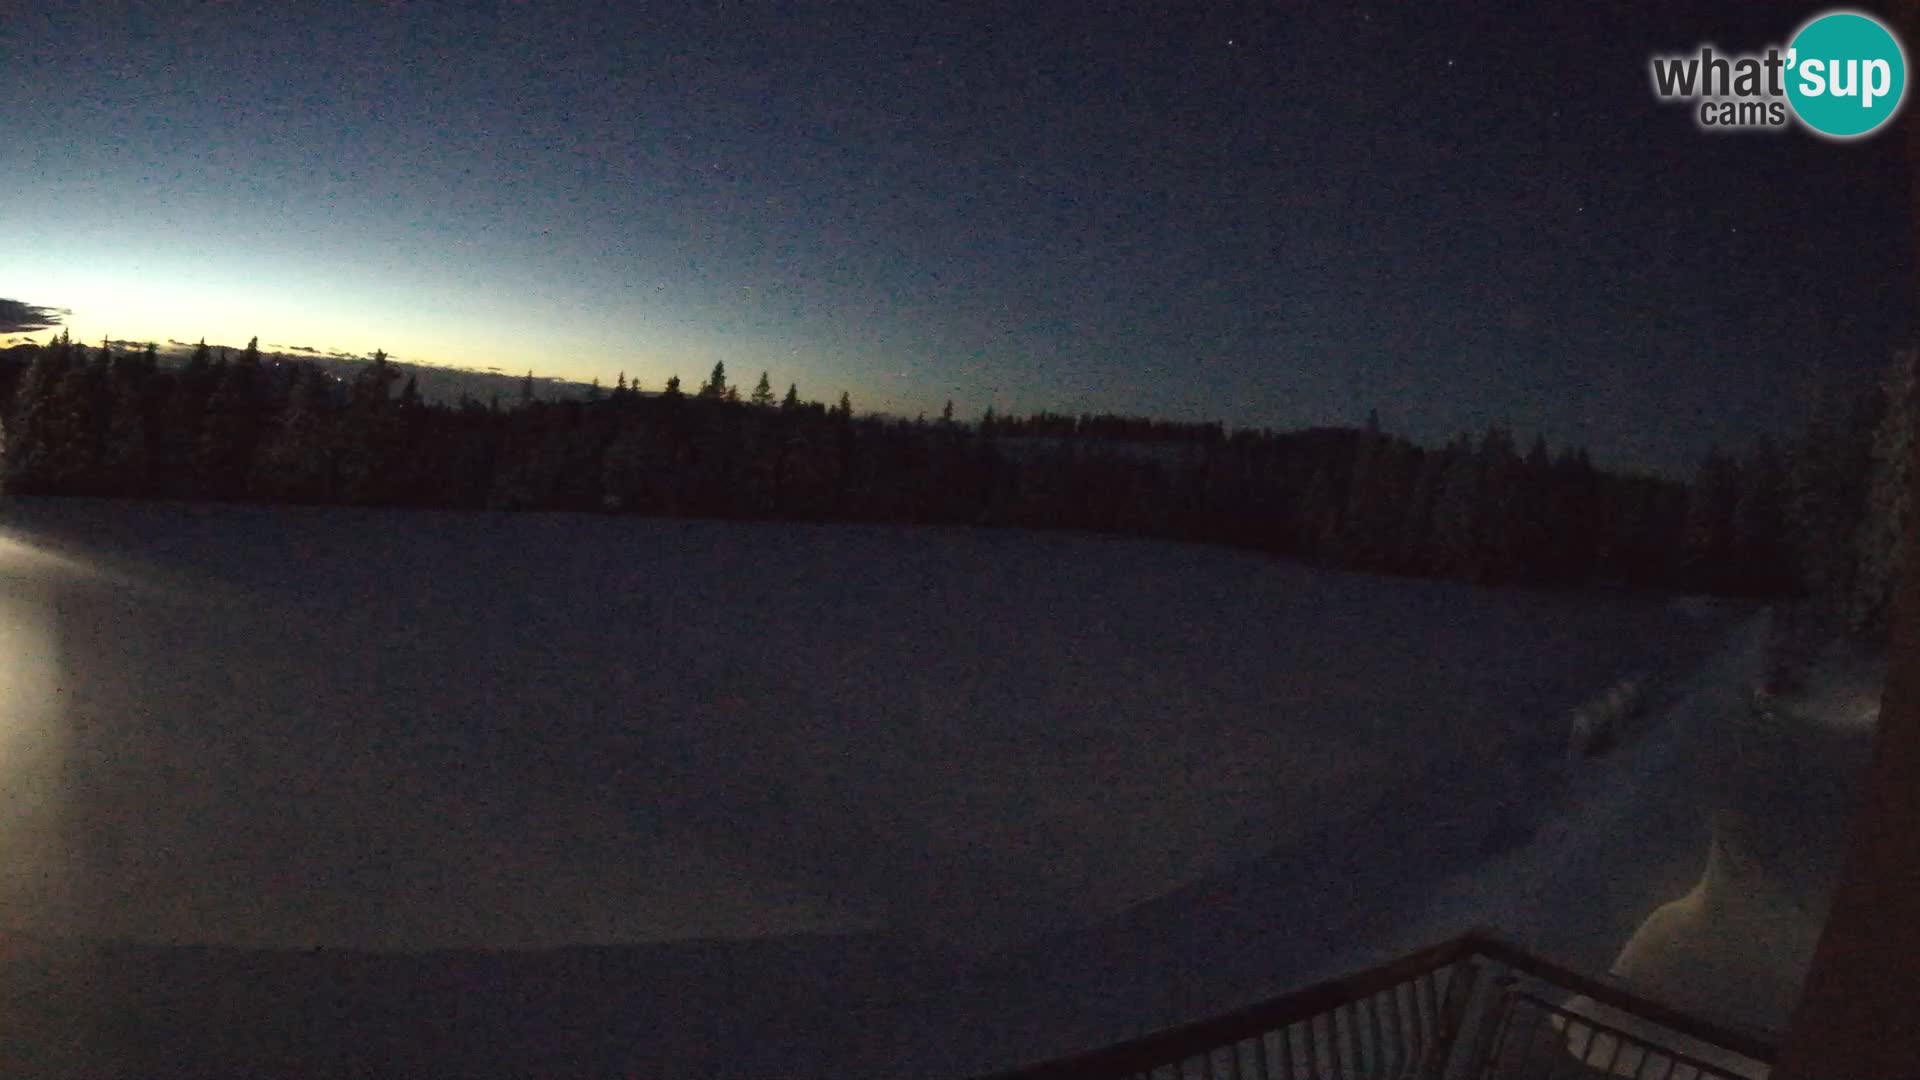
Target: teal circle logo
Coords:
[[1846, 74]]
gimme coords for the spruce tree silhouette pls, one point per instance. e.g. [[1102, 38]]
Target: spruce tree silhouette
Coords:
[[84, 422]]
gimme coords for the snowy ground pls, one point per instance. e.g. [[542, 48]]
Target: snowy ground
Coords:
[[955, 798]]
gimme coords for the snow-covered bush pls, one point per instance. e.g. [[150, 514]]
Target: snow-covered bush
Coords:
[[1595, 725]]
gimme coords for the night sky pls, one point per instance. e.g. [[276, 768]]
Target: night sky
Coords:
[[1272, 215]]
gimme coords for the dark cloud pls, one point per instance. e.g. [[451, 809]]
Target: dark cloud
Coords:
[[283, 352], [17, 317]]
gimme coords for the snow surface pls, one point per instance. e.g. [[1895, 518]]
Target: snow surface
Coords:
[[1781, 778], [933, 801]]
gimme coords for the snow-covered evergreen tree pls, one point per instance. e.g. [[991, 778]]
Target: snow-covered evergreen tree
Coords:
[[1497, 513], [1825, 493], [1415, 537], [1759, 522], [1877, 554], [1372, 497], [1533, 541], [229, 429], [126, 458], [1456, 545], [1707, 544], [295, 460], [1572, 516], [31, 436]]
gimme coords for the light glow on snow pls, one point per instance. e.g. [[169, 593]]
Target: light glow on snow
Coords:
[[32, 725]]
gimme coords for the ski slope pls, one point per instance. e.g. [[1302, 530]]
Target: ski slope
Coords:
[[900, 802]]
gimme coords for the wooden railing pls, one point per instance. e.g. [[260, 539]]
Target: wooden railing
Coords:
[[1472, 1007]]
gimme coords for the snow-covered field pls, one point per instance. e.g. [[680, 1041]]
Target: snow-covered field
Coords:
[[933, 800]]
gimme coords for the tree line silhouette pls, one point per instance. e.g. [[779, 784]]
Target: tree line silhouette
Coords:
[[1812, 519]]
